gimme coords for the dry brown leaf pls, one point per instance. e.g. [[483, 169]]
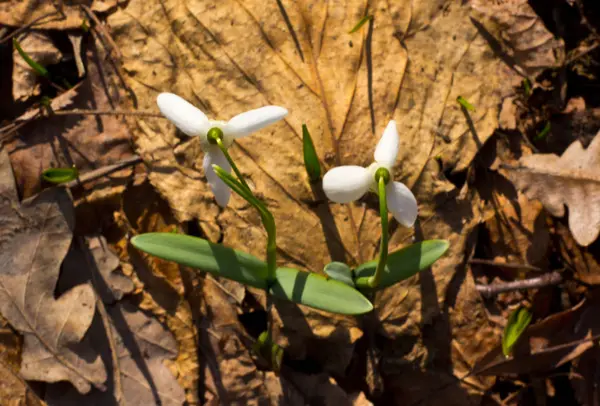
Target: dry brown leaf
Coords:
[[547, 344], [518, 231], [410, 63], [584, 375], [35, 237], [49, 14], [14, 391], [88, 142], [142, 346], [524, 37], [217, 57], [584, 261], [163, 287], [112, 284], [569, 180], [40, 48]]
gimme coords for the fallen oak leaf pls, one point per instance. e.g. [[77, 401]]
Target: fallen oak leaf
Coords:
[[570, 180], [34, 238], [142, 346]]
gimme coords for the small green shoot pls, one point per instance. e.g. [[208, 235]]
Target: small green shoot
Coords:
[[463, 102], [311, 160], [360, 23], [527, 86], [60, 175], [39, 69], [270, 351], [544, 133], [516, 325], [85, 27]]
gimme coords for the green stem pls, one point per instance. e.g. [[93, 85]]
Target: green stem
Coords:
[[233, 165], [383, 246], [265, 215]]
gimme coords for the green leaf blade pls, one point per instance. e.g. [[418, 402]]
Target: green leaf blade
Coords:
[[39, 69], [340, 272], [516, 325], [360, 23], [60, 175], [316, 291], [463, 102], [205, 256], [311, 160], [402, 264]]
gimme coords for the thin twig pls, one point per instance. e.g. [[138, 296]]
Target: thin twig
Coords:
[[82, 112], [27, 26], [503, 264], [103, 171], [549, 279], [103, 32]]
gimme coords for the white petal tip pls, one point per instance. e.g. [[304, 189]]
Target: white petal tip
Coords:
[[402, 203], [188, 118], [345, 184], [387, 147]]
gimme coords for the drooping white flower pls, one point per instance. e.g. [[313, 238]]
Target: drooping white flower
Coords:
[[193, 122], [344, 184]]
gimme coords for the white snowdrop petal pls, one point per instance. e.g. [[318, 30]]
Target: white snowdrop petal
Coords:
[[188, 118], [401, 203], [387, 148], [251, 121], [346, 183], [214, 156]]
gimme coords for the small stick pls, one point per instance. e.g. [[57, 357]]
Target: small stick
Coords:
[[75, 112], [103, 171], [102, 30], [503, 264], [27, 26], [549, 279]]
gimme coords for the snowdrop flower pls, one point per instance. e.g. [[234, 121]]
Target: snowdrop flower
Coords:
[[193, 122], [348, 183]]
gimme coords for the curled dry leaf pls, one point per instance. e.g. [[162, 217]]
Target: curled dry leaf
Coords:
[[34, 239], [142, 346], [41, 49], [569, 180]]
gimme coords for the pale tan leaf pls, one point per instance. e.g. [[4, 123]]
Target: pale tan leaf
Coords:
[[34, 238], [142, 346], [569, 180]]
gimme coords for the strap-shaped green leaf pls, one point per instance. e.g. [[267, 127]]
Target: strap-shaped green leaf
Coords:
[[60, 175], [311, 160], [206, 256], [316, 291], [340, 272], [516, 325], [402, 264]]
